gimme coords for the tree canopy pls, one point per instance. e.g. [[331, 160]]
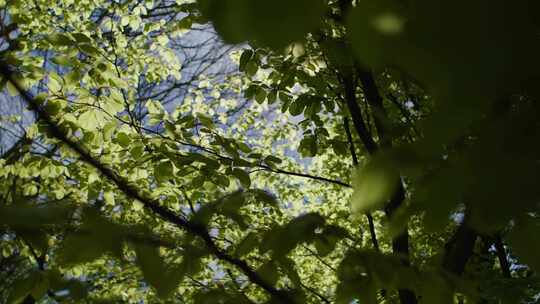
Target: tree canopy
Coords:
[[285, 151]]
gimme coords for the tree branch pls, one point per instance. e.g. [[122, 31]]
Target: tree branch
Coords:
[[217, 154], [371, 224], [134, 193], [349, 86], [400, 243]]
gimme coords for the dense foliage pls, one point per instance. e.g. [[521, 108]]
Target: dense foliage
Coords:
[[284, 151]]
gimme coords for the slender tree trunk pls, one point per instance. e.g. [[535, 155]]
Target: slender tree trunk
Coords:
[[459, 249], [501, 255], [369, 217], [400, 244]]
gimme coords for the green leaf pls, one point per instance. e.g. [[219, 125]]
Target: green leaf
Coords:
[[308, 146], [251, 69], [155, 271], [124, 141], [288, 266], [186, 23], [109, 198], [64, 60], [373, 185], [91, 119], [73, 78], [524, 239], [264, 197], [81, 38], [40, 287], [243, 147], [55, 83], [204, 214], [206, 120], [33, 283], [272, 160], [372, 21], [32, 217], [113, 106], [78, 290], [220, 296], [296, 108], [242, 176], [269, 272], [248, 243], [78, 249], [37, 238], [221, 180], [244, 59], [136, 151], [96, 237], [272, 23], [230, 205], [164, 171], [165, 278], [12, 90], [272, 97], [340, 147], [89, 49], [60, 39], [231, 202], [326, 241], [261, 96], [299, 230], [338, 54]]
